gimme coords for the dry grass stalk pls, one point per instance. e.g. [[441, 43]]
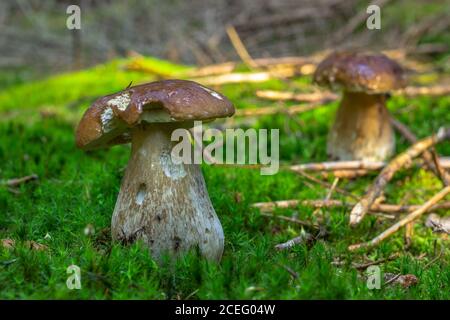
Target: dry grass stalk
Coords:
[[18, 181], [303, 238], [408, 219], [362, 207], [240, 47], [380, 207], [339, 165], [430, 157], [437, 90], [304, 97]]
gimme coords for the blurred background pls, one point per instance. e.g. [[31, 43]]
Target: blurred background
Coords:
[[33, 32]]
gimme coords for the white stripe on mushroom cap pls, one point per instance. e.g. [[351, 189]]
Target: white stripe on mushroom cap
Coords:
[[214, 94], [121, 102], [107, 120]]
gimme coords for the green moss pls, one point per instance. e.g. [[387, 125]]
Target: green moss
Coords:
[[76, 189]]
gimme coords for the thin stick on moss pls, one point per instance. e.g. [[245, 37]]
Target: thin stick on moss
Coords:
[[339, 165], [328, 196], [409, 233], [437, 90], [325, 184], [240, 48], [381, 207], [430, 158], [364, 266], [338, 168], [303, 238], [408, 219], [362, 207], [303, 97], [18, 181]]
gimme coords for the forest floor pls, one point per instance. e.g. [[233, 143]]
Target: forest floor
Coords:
[[77, 189]]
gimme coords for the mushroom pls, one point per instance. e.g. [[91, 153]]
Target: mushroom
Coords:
[[162, 202], [362, 128]]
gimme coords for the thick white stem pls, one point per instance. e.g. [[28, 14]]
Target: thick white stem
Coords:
[[362, 129], [165, 204]]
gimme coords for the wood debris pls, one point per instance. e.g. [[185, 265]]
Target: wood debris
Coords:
[[438, 223], [404, 221], [362, 207]]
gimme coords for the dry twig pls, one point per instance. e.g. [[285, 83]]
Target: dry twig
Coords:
[[303, 238], [339, 165], [409, 218], [239, 47], [430, 157], [304, 97], [364, 266], [361, 208], [437, 90], [18, 181], [380, 207]]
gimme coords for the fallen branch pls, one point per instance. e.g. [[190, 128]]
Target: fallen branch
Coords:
[[430, 157], [409, 218], [350, 165], [305, 97], [239, 47], [274, 72], [212, 70], [364, 266], [303, 238], [235, 78], [361, 208], [18, 181], [381, 207], [437, 90], [339, 165], [346, 174]]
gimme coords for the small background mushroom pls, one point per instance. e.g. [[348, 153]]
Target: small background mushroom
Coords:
[[362, 129]]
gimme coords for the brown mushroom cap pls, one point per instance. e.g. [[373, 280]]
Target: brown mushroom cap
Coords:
[[109, 119], [360, 72]]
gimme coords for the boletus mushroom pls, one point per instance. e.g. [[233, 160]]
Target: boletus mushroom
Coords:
[[362, 129], [162, 202]]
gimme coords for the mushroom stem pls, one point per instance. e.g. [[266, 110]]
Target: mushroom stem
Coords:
[[162, 203], [362, 129]]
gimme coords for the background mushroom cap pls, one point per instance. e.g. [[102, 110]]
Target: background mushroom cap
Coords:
[[360, 72], [109, 119]]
